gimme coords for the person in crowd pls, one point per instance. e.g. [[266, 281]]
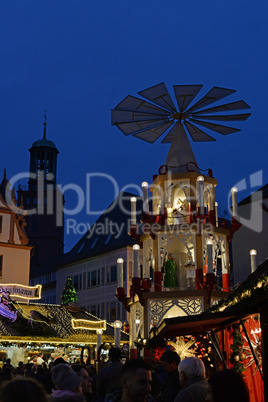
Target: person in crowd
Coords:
[[192, 374], [8, 362], [6, 373], [86, 380], [40, 359], [51, 358], [93, 374], [227, 385], [109, 378], [40, 375], [136, 380], [28, 372], [67, 384], [20, 369], [170, 361], [24, 390], [59, 360], [48, 383]]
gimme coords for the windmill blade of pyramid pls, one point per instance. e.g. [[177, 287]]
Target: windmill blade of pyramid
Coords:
[[153, 134], [159, 95], [170, 135], [231, 117], [132, 103], [126, 116], [215, 94], [185, 94], [216, 127], [238, 105], [136, 127], [197, 134]]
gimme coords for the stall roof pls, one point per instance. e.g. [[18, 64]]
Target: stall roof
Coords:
[[198, 324], [54, 324]]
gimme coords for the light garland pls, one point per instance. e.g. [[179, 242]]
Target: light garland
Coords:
[[248, 293]]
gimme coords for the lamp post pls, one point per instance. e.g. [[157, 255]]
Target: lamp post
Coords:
[[201, 209], [144, 186], [99, 339], [216, 214], [253, 260], [117, 333], [133, 201], [136, 273], [210, 257], [234, 200], [120, 276]]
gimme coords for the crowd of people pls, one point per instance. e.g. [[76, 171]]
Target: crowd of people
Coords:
[[134, 381]]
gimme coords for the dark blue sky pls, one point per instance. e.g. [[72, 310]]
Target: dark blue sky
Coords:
[[78, 59]]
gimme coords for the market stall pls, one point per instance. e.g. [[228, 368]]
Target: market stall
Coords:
[[236, 327], [57, 330]]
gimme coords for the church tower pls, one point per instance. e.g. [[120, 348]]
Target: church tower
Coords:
[[44, 202]]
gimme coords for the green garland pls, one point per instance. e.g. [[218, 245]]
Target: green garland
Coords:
[[237, 348], [247, 294]]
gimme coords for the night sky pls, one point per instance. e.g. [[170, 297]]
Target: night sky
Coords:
[[78, 59]]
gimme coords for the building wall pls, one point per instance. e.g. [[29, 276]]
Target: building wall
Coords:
[[15, 255], [252, 235], [16, 264], [98, 295], [5, 233]]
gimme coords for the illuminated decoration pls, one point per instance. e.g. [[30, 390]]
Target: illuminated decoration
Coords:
[[6, 307], [25, 292], [182, 348], [87, 324], [256, 345], [69, 293], [249, 293], [238, 350]]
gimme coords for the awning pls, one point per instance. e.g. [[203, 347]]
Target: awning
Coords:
[[198, 324]]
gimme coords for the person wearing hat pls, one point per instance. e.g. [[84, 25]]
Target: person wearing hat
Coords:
[[67, 384]]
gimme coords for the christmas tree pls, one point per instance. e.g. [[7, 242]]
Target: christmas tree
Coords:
[[69, 293]]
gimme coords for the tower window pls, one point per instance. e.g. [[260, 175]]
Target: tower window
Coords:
[[1, 223]]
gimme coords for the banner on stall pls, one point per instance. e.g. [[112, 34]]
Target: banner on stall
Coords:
[[26, 292]]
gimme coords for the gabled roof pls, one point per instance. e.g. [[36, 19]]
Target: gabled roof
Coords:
[[59, 328], [109, 233], [263, 189]]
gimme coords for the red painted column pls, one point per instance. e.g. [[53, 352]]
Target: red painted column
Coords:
[[226, 282], [147, 355], [212, 217], [157, 281], [199, 278], [133, 353]]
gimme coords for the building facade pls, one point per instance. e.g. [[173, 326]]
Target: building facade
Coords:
[[253, 234], [14, 249]]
